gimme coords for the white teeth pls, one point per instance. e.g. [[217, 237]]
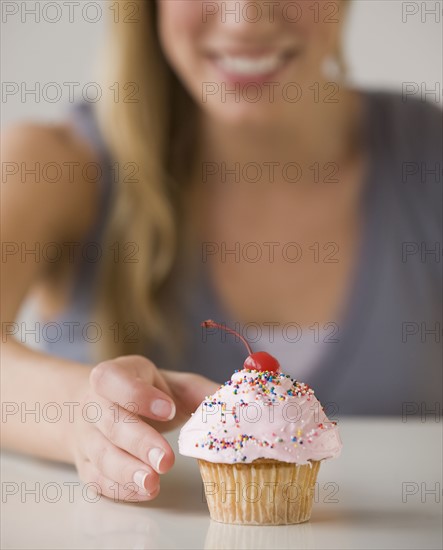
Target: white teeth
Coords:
[[248, 66]]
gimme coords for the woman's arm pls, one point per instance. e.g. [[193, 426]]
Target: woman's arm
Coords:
[[36, 390], [38, 210], [110, 445]]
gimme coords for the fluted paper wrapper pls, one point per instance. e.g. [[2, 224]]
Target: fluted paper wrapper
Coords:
[[264, 492]]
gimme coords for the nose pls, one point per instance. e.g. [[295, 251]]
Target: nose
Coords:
[[248, 21]]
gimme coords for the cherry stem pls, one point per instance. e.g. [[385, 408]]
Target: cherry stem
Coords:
[[212, 324]]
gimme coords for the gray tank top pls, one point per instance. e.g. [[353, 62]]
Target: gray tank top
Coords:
[[386, 357]]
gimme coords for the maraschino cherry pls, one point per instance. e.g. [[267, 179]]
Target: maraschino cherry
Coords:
[[260, 360]]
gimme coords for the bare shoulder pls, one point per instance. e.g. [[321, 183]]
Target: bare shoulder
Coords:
[[44, 178]]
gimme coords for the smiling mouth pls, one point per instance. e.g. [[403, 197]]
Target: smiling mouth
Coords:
[[242, 65], [246, 66]]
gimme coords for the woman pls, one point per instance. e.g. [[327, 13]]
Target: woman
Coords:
[[319, 249]]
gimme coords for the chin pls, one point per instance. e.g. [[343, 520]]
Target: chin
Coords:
[[243, 114]]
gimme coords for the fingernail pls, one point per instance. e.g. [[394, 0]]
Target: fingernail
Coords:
[[140, 478], [163, 409], [155, 456]]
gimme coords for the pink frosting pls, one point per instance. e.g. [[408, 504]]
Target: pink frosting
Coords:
[[260, 415]]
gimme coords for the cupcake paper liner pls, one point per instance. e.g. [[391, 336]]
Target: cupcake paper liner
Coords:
[[264, 492]]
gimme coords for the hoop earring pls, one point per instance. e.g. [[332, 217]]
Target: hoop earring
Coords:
[[332, 69]]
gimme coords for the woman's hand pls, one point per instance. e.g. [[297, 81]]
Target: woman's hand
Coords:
[[113, 445]]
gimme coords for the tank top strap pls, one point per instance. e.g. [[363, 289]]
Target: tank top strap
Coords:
[[82, 117]]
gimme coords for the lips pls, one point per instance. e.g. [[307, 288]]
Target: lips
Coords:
[[250, 66]]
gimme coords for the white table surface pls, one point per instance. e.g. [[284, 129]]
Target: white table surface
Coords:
[[372, 509]]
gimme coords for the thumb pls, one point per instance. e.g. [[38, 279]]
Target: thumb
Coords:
[[189, 390]]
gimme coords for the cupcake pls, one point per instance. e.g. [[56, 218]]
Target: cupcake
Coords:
[[259, 441]]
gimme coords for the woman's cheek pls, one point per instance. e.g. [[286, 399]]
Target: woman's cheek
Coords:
[[181, 32], [180, 19]]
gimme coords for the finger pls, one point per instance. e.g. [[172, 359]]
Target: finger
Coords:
[[136, 438], [120, 466], [189, 389], [145, 369], [99, 484], [119, 385]]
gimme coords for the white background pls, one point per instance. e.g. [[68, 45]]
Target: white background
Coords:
[[385, 47]]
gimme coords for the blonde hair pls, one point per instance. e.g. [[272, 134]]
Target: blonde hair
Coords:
[[141, 127], [150, 131]]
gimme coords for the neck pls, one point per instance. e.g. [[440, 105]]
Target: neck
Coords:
[[315, 133]]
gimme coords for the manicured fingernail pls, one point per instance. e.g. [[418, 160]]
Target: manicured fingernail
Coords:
[[140, 478], [163, 409], [155, 456]]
